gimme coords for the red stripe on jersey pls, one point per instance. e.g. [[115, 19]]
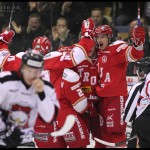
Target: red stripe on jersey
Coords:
[[21, 108]]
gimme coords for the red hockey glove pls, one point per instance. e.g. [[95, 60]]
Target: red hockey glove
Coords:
[[7, 36], [138, 36], [88, 28], [91, 112], [87, 44]]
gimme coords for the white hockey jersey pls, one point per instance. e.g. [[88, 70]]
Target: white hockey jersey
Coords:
[[23, 104]]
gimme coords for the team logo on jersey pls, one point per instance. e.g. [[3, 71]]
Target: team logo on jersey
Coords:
[[55, 129], [86, 89], [110, 121], [41, 138], [121, 110], [80, 128], [69, 137], [18, 117], [104, 59]]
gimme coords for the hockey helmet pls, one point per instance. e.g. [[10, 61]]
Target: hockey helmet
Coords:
[[143, 65], [33, 58], [42, 43], [104, 29], [143, 62]]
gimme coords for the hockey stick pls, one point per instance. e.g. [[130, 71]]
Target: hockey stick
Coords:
[[69, 123], [11, 15], [115, 144], [138, 16]]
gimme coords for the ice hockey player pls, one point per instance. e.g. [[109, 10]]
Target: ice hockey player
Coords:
[[112, 63], [78, 53], [72, 101], [87, 71], [5, 39], [23, 96], [61, 61]]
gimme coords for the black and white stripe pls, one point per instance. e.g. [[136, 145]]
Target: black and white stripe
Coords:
[[131, 103]]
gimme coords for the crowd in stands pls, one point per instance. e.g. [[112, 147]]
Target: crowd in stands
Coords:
[[61, 21]]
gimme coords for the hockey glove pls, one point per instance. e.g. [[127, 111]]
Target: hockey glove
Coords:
[[87, 44], [88, 29], [3, 115], [7, 36], [11, 136], [91, 112], [138, 36]]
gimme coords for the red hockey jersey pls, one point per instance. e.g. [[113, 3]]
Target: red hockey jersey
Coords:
[[87, 71], [112, 66]]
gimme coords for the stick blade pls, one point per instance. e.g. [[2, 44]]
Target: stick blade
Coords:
[[104, 142], [69, 123]]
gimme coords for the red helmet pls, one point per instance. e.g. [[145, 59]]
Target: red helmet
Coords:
[[88, 28], [104, 29], [42, 44]]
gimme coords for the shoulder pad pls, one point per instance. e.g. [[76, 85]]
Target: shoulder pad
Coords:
[[148, 76], [70, 75], [20, 54], [65, 49], [117, 42], [3, 54], [52, 55], [5, 73]]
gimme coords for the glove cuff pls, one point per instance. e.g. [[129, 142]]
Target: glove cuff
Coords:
[[87, 44], [139, 48]]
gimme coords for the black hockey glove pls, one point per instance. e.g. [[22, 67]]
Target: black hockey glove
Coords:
[[3, 115], [11, 136]]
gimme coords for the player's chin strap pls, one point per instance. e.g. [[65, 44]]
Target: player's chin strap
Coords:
[[117, 144], [69, 123]]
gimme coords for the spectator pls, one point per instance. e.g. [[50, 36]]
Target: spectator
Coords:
[[75, 13], [61, 35], [124, 10], [17, 43], [35, 28], [130, 69], [5, 11], [98, 17], [147, 12], [98, 4], [20, 10], [47, 12]]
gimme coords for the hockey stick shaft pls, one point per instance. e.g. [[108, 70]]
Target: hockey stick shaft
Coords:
[[115, 144], [125, 141], [69, 123], [11, 15], [139, 16]]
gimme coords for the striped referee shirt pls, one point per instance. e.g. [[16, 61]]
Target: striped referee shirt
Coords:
[[132, 101]]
